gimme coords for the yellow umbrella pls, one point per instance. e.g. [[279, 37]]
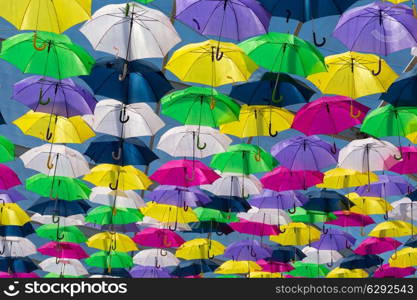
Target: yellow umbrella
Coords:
[[404, 258], [340, 178], [54, 128], [259, 120], [12, 214], [109, 241], [212, 63], [200, 249], [396, 1], [354, 75], [296, 233], [238, 267], [118, 177], [347, 273], [393, 229], [169, 213], [260, 274], [368, 205], [45, 15]]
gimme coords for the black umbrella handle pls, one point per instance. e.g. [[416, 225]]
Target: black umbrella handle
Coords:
[[321, 44]]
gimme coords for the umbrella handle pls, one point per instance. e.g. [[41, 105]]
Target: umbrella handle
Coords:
[[330, 264], [394, 256], [197, 23], [59, 237], [158, 266], [124, 73], [55, 219], [52, 197], [279, 100], [321, 44], [113, 245], [35, 40], [49, 163], [363, 233], [118, 155], [325, 230], [127, 9], [379, 69], [209, 256], [163, 252], [216, 55], [289, 13], [41, 101], [252, 252], [386, 216], [398, 157], [280, 230], [258, 156], [185, 206], [166, 243], [200, 147], [293, 210], [352, 114], [48, 135], [175, 227], [270, 131], [333, 149], [219, 233], [122, 115], [114, 187], [57, 260]]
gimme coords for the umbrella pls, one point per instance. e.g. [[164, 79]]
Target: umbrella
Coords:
[[158, 238], [111, 241], [12, 246], [64, 267], [278, 200], [17, 265], [211, 226], [255, 228], [347, 273], [118, 198], [74, 220], [311, 216], [393, 229], [404, 258], [153, 258], [194, 267], [55, 232], [18, 275], [340, 178], [125, 121], [12, 214], [334, 239], [403, 209], [47, 54], [374, 245], [169, 214], [403, 91], [7, 150], [17, 230], [266, 215], [310, 270], [286, 254], [326, 201], [54, 16], [212, 63], [261, 274], [234, 185], [238, 19], [386, 271], [178, 196], [8, 178], [250, 250], [199, 249], [350, 219], [354, 75], [387, 185], [368, 205], [284, 179], [104, 215], [154, 223], [97, 272], [319, 116], [228, 204], [214, 215], [356, 261], [317, 256], [296, 233], [46, 206], [118, 151], [194, 141], [408, 163], [11, 195], [110, 260], [238, 267], [149, 272], [274, 266], [63, 250]]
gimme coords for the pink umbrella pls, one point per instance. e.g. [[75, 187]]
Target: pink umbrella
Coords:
[[18, 275], [374, 245], [63, 250], [184, 172], [158, 238], [385, 271], [8, 178], [254, 228], [274, 266], [408, 164], [283, 179], [329, 115], [347, 218]]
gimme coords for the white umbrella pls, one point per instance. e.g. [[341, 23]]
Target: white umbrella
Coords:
[[404, 210], [132, 120], [103, 276], [63, 266], [16, 246], [75, 220], [153, 258], [232, 184], [266, 216], [151, 222], [316, 256], [56, 160], [107, 196], [193, 140], [367, 155]]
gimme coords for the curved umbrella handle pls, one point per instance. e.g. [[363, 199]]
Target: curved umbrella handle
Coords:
[[158, 266], [330, 264], [271, 134], [210, 256], [127, 9], [185, 206], [325, 230], [363, 233], [252, 252], [293, 210], [289, 13], [35, 41], [352, 114], [163, 252], [115, 186], [280, 230], [200, 147], [49, 163], [40, 99], [117, 156], [48, 135], [414, 10], [175, 226], [197, 23], [333, 149], [398, 157], [122, 116], [216, 54], [219, 233], [58, 236], [394, 256], [279, 100], [113, 245], [321, 44], [379, 69], [57, 260], [258, 156], [52, 197], [55, 219], [386, 217], [124, 72], [166, 243]]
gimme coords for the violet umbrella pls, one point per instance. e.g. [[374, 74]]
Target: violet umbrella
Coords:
[[334, 239], [386, 186], [374, 245], [63, 250], [149, 272], [270, 199], [274, 266], [305, 153], [385, 271], [52, 96], [247, 250], [184, 173], [179, 196], [11, 196], [408, 164], [254, 228], [283, 179]]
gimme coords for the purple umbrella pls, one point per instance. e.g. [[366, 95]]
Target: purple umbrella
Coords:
[[131, 227], [334, 239], [247, 250], [49, 95], [305, 153], [149, 272], [11, 196], [278, 200], [386, 186], [179, 196], [380, 28], [232, 19]]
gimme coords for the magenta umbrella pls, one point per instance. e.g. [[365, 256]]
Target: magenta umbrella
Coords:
[[63, 250], [184, 172], [347, 218], [283, 179], [329, 115], [385, 271], [158, 238], [254, 228], [408, 164], [274, 266], [18, 275], [8, 178], [374, 245]]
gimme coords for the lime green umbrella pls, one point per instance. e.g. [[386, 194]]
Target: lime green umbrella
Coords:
[[104, 215], [144, 1], [6, 149], [48, 54], [245, 159], [58, 187], [309, 270], [64, 234], [200, 106], [54, 275], [228, 276], [110, 260], [311, 216], [208, 214], [283, 52]]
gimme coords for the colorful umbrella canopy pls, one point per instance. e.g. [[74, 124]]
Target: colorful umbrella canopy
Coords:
[[178, 196], [393, 229], [238, 267], [194, 267], [158, 238], [296, 233], [386, 271], [7, 150], [235, 185], [334, 239], [54, 232], [111, 241], [149, 272], [255, 228], [402, 91], [118, 198], [404, 258], [350, 219], [154, 258], [8, 178], [63, 250], [67, 267], [340, 178], [387, 185], [317, 256], [249, 250], [408, 163], [310, 270], [200, 249], [283, 179], [347, 273], [64, 208], [169, 213], [278, 200], [109, 260], [104, 215], [374, 245]]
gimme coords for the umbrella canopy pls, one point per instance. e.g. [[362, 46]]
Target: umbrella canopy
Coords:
[[238, 267], [255, 228], [278, 200], [118, 198], [286, 254], [12, 246], [194, 267], [310, 270], [46, 206], [154, 258], [63, 250], [387, 185], [7, 150], [408, 163], [368, 205], [111, 241], [350, 219], [169, 213], [109, 260], [66, 267], [199, 249], [347, 273], [54, 232], [214, 215], [17, 265], [393, 229], [149, 272], [250, 250], [386, 271], [340, 178], [404, 258], [403, 91], [8, 178], [274, 266], [356, 261], [317, 256], [284, 179], [104, 215], [158, 238], [374, 245], [178, 196], [12, 214], [326, 201], [235, 185], [296, 233], [334, 239]]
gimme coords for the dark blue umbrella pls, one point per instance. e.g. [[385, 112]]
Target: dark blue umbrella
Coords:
[[17, 265], [403, 92], [63, 208], [288, 91], [144, 81], [228, 204], [326, 201], [411, 242], [113, 150], [19, 231], [194, 267], [211, 226], [412, 195], [285, 254], [113, 272], [2, 121], [356, 261]]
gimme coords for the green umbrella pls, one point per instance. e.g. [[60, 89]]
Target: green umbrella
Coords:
[[104, 215], [311, 216], [200, 106], [58, 187], [283, 52], [48, 54], [244, 159], [6, 149], [229, 276], [308, 270], [65, 233], [110, 260], [144, 1], [208, 214], [54, 275]]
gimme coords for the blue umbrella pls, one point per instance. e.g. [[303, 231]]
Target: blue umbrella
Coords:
[[403, 92], [17, 265], [285, 254], [273, 89], [143, 83], [210, 227], [411, 242], [19, 231], [355, 261], [131, 227], [326, 201], [113, 150], [228, 204], [63, 208], [194, 267]]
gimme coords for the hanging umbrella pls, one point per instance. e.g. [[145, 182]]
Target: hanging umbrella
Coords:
[[110, 260], [17, 265], [368, 205], [125, 121], [340, 178], [194, 267], [169, 214], [237, 267], [403, 209], [104, 215], [199, 249], [334, 239], [316, 256], [326, 201], [63, 250], [18, 275], [310, 270], [375, 245], [283, 179], [10, 196], [7, 150], [47, 54], [296, 233], [12, 246], [254, 228], [64, 267], [393, 229], [214, 215], [211, 226], [178, 196], [354, 75], [274, 266], [111, 241], [404, 258], [118, 198], [74, 220], [15, 230], [153, 258], [403, 91], [286, 200], [12, 214], [250, 250], [46, 206], [356, 261], [262, 274], [149, 272], [8, 178], [55, 232], [387, 185], [286, 254], [228, 204], [266, 215], [311, 216], [386, 271], [158, 238], [346, 273], [350, 219], [154, 223], [234, 185], [97, 272]]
